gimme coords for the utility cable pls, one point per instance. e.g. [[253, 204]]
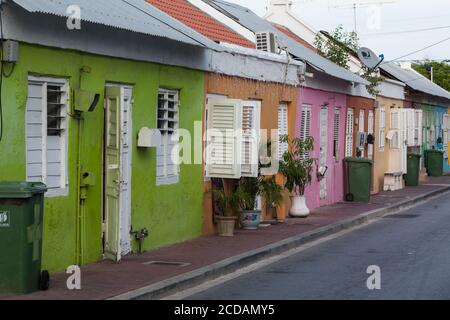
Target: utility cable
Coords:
[[404, 31], [417, 51]]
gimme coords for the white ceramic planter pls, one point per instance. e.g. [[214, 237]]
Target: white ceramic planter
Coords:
[[250, 220], [299, 208]]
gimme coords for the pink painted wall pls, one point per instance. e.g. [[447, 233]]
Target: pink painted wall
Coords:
[[335, 174]]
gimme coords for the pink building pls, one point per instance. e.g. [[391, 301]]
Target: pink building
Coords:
[[322, 115]]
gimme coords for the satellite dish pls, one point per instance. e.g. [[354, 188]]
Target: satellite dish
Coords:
[[369, 58]]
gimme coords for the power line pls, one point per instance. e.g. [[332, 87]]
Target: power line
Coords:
[[423, 49], [404, 31]]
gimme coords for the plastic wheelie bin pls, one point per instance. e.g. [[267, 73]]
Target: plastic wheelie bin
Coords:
[[358, 178], [21, 216], [413, 167], [435, 163]]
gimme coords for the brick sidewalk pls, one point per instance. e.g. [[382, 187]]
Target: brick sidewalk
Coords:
[[106, 279]]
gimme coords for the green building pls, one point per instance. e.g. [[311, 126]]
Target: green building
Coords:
[[74, 100]]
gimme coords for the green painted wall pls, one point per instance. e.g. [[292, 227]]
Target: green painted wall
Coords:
[[171, 213]]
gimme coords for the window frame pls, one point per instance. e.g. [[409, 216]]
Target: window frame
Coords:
[[44, 82], [167, 136]]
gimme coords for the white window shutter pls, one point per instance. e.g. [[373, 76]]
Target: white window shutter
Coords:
[[446, 137], [362, 115], [337, 125], [36, 132], [370, 130], [382, 136], [305, 124], [282, 129], [395, 120], [419, 127], [223, 149], [349, 133], [251, 124]]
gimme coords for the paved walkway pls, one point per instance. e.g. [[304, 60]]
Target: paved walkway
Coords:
[[105, 280]]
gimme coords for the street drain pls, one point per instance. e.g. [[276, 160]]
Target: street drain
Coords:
[[402, 216], [167, 263]]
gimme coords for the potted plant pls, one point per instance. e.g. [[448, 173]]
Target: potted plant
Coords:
[[230, 202], [297, 166], [272, 194], [250, 217]]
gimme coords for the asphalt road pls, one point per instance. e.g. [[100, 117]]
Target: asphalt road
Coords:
[[412, 250]]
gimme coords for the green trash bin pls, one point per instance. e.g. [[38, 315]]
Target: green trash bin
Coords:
[[413, 167], [21, 216], [358, 178], [435, 163]]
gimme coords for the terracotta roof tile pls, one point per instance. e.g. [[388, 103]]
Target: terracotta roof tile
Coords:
[[289, 33], [196, 19]]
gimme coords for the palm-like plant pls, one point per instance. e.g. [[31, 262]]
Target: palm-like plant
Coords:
[[230, 204], [296, 165]]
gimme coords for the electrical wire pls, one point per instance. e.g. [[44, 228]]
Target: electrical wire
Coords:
[[417, 51], [403, 32]]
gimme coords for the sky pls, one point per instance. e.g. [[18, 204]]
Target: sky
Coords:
[[378, 25]]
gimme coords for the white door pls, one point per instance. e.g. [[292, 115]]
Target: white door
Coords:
[[125, 181], [370, 130], [349, 133], [361, 129], [117, 172], [323, 149]]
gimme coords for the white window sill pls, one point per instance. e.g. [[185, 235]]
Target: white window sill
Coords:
[[53, 193]]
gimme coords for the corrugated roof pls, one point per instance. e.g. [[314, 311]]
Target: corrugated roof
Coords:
[[132, 15], [196, 19], [253, 22], [414, 80]]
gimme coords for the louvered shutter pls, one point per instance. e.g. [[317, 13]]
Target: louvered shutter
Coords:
[[418, 127], [282, 129], [382, 136], [349, 133], [395, 128], [446, 127], [362, 115], [36, 132], [305, 125], [404, 139], [337, 124], [223, 149], [370, 130], [251, 114], [410, 127]]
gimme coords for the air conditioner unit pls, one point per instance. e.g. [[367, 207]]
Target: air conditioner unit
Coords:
[[266, 41]]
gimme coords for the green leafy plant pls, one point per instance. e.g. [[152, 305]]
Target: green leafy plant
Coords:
[[250, 186], [232, 203], [297, 165], [272, 193], [339, 46]]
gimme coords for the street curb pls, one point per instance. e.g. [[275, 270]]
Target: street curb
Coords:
[[232, 264]]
